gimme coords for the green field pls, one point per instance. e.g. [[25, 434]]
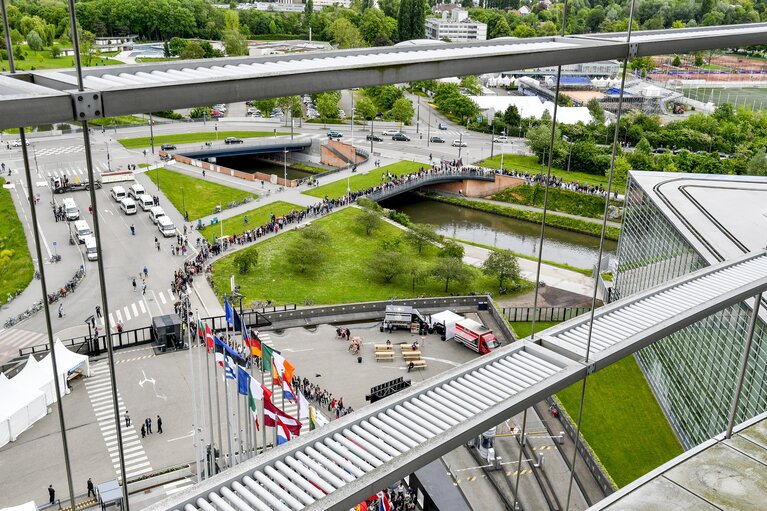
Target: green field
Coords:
[[188, 138], [621, 410], [256, 217], [531, 164], [742, 96], [566, 201], [16, 267], [523, 329], [345, 275], [363, 181], [36, 60], [199, 197], [120, 120]]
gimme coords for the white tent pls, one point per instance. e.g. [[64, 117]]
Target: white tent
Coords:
[[532, 106], [38, 375], [68, 361], [27, 506], [20, 407]]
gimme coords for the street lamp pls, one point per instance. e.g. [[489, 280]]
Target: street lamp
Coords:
[[216, 128], [372, 119], [151, 132], [570, 152], [109, 164], [428, 130], [285, 165], [460, 144]]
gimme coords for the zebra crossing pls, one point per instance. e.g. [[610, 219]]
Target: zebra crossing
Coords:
[[13, 339], [100, 395], [71, 170], [138, 308], [177, 486], [52, 151]]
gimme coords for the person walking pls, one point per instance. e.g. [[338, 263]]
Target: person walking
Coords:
[[91, 489], [146, 272], [143, 431], [143, 288], [51, 494], [148, 423], [61, 310], [134, 284], [98, 311], [127, 419], [159, 424]]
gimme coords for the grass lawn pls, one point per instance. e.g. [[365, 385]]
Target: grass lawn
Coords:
[[188, 138], [309, 168], [363, 181], [531, 164], [345, 274], [121, 119], [566, 201], [35, 60], [621, 410], [199, 196], [236, 224], [16, 267], [523, 329]]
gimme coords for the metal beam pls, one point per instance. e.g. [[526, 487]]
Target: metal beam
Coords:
[[182, 84]]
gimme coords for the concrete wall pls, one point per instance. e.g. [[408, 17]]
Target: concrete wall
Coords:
[[347, 150], [247, 176], [472, 188]]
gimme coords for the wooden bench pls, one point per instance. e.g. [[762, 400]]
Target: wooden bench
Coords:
[[411, 355], [417, 364], [384, 355], [407, 347], [383, 348], [74, 374]]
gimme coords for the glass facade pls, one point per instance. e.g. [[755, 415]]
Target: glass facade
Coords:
[[694, 371]]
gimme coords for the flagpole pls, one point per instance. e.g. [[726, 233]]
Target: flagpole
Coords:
[[263, 411], [194, 392], [205, 471], [229, 432], [246, 407], [218, 402]]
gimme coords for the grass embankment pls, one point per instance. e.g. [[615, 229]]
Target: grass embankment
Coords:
[[565, 201], [523, 329], [198, 197], [119, 120], [622, 421], [363, 181], [561, 222], [531, 165], [308, 168], [256, 217], [345, 275], [188, 138], [16, 267], [36, 60]]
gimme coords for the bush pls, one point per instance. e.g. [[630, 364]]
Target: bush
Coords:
[[168, 114], [566, 201]]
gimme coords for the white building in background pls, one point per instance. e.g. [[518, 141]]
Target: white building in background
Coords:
[[531, 107], [455, 26]]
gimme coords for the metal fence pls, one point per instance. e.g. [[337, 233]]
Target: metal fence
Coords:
[[557, 314], [89, 345]]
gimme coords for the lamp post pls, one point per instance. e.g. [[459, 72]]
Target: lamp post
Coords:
[[216, 128], [492, 138], [372, 119], [460, 144], [151, 131], [285, 166], [418, 116], [109, 164], [570, 152]]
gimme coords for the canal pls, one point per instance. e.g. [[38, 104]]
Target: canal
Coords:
[[253, 164], [560, 246]]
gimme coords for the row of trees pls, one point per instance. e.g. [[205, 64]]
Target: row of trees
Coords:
[[388, 100]]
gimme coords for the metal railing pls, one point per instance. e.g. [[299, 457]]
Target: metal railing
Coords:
[[428, 179], [557, 314]]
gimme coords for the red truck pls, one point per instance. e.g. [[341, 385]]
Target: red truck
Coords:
[[475, 336]]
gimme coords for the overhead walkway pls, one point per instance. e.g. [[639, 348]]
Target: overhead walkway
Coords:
[[350, 459], [47, 97], [249, 146]]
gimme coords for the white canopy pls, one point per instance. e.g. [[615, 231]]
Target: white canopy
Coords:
[[20, 407], [446, 317], [532, 106], [38, 375], [68, 361], [27, 506]]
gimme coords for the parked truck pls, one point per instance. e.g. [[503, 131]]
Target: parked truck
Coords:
[[64, 185], [404, 318], [443, 323], [475, 336]]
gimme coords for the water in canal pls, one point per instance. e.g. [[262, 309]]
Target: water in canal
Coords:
[[480, 227], [252, 164]]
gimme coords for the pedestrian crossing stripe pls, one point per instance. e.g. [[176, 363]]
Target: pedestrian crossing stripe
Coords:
[[519, 472], [542, 448]]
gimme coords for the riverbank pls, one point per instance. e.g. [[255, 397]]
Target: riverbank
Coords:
[[588, 226]]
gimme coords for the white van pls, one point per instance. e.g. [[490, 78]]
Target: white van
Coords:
[[90, 248], [136, 190], [128, 206], [118, 193], [155, 213], [166, 227], [146, 202], [70, 209], [82, 230]]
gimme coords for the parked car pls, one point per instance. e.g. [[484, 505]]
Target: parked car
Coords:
[[389, 133], [401, 137], [17, 143], [232, 140], [216, 113], [374, 138], [459, 143], [501, 139], [168, 147], [220, 107], [257, 114], [334, 134], [437, 140], [253, 111], [341, 113], [442, 126]]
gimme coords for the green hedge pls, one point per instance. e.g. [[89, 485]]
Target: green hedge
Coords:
[[561, 222]]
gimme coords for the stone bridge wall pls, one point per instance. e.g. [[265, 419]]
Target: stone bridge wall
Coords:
[[475, 188]]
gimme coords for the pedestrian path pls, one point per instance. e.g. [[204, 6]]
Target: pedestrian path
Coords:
[[13, 339], [99, 390], [140, 307], [177, 486]]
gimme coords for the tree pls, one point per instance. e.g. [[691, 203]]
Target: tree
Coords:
[[246, 259], [402, 110], [642, 64], [421, 235], [404, 21], [177, 45], [369, 221], [511, 117], [234, 43], [88, 47], [55, 51], [449, 269], [375, 27], [192, 50], [757, 165], [265, 106], [502, 264], [451, 249], [416, 272], [470, 84], [34, 41], [699, 59], [677, 61], [596, 111], [387, 264], [500, 29], [307, 251], [364, 108], [345, 34], [327, 104]]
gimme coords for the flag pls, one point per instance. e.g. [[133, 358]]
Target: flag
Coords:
[[287, 392], [312, 423], [383, 502], [282, 368], [303, 406], [272, 414], [229, 368], [243, 381], [231, 315], [255, 393], [267, 356], [362, 506], [283, 433], [254, 344], [208, 338]]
